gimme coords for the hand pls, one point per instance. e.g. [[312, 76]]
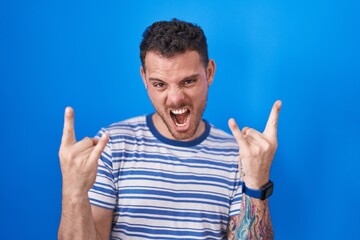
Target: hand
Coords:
[[257, 149], [78, 160]]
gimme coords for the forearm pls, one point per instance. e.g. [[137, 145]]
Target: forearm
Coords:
[[76, 219], [253, 222]]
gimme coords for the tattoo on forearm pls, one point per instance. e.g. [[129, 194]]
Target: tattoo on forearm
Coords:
[[253, 222]]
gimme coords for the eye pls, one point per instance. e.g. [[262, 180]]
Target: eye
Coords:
[[190, 81], [159, 85]]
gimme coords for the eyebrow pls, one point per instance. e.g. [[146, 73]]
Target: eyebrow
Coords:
[[196, 75]]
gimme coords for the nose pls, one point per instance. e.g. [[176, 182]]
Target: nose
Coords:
[[175, 96]]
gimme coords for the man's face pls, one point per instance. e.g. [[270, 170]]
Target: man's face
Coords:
[[178, 88]]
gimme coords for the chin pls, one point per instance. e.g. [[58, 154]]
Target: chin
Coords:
[[183, 137], [185, 130]]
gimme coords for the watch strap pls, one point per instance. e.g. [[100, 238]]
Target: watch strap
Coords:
[[263, 193]]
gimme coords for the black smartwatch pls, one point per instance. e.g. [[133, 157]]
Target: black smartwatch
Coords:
[[263, 193]]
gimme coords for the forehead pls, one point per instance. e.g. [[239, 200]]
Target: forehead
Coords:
[[177, 66]]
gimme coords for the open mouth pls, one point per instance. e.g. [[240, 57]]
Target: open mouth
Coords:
[[180, 116]]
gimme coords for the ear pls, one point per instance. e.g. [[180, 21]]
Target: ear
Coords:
[[143, 76], [210, 71]]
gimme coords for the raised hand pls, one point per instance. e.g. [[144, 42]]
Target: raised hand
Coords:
[[257, 149], [78, 160]]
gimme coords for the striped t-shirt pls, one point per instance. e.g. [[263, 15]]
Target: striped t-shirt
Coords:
[[161, 188]]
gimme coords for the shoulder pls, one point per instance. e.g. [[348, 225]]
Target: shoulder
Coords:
[[131, 124], [221, 145], [222, 137], [128, 127], [222, 148]]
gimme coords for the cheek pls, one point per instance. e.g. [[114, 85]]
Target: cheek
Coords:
[[199, 96], [157, 99]]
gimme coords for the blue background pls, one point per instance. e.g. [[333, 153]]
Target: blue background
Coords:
[[85, 54]]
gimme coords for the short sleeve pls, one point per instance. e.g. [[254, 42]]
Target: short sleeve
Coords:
[[235, 203], [103, 193]]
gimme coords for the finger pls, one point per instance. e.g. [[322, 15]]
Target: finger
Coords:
[[68, 136], [256, 137], [272, 123], [85, 143], [99, 148], [245, 129], [239, 136], [248, 138]]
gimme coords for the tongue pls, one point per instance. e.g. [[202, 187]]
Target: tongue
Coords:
[[181, 118]]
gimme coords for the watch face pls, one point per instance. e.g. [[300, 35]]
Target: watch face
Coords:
[[268, 190]]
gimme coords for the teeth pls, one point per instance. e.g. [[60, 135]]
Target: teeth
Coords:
[[180, 125], [180, 111]]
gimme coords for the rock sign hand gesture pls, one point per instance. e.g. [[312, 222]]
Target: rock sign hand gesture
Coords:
[[257, 150], [78, 160]]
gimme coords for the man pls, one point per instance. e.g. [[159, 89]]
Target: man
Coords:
[[169, 175]]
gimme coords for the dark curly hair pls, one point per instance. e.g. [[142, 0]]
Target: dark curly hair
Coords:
[[168, 38]]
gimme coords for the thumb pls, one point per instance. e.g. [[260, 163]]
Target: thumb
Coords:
[[99, 148]]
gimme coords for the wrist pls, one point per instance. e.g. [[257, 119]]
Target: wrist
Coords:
[[75, 200], [263, 193], [74, 194], [254, 183]]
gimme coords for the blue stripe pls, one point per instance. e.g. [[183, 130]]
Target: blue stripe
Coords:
[[102, 204], [163, 218], [161, 227], [225, 138], [174, 200], [176, 214], [170, 208], [177, 177], [158, 237], [177, 190], [128, 125], [167, 163], [136, 155], [195, 183], [177, 196], [102, 172], [159, 232], [104, 190], [106, 159], [106, 185], [103, 194]]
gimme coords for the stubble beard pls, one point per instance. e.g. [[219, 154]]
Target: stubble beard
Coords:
[[196, 115]]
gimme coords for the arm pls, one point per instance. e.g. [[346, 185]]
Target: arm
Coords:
[[253, 222], [256, 153], [79, 163], [79, 220]]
